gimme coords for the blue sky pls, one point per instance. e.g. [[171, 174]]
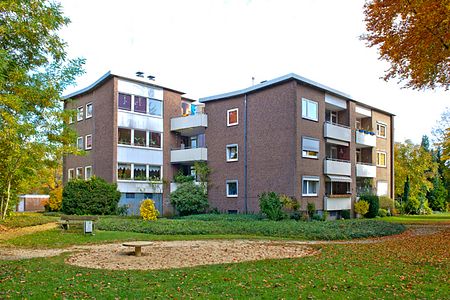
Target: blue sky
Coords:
[[209, 47]]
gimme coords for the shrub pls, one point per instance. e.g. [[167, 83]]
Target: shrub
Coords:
[[411, 206], [289, 203], [90, 197], [311, 208], [181, 178], [361, 207], [271, 206], [317, 217], [387, 203], [189, 199], [382, 212], [374, 205], [122, 210], [148, 210], [296, 215], [55, 201], [345, 214]]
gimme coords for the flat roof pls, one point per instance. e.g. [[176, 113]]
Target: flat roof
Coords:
[[285, 78], [110, 74]]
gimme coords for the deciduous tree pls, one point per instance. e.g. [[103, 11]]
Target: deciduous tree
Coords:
[[414, 37]]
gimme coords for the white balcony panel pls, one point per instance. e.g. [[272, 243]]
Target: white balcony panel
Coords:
[[139, 121], [335, 101], [188, 155], [139, 89], [337, 203], [174, 186], [337, 132], [363, 111], [139, 187], [363, 170], [129, 154], [337, 167], [364, 139], [189, 125]]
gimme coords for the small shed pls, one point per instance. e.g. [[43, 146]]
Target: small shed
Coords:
[[32, 203]]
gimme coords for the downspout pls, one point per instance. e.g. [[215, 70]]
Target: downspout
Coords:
[[245, 157], [392, 160]]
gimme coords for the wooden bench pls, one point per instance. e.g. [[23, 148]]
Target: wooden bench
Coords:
[[68, 221], [137, 246]]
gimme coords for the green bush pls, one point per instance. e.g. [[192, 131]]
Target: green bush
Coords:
[[345, 214], [90, 197], [271, 206], [290, 204], [411, 206], [189, 199], [181, 178], [374, 205], [382, 212], [311, 208], [387, 203]]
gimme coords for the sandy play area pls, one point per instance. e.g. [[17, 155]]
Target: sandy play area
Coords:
[[179, 254]]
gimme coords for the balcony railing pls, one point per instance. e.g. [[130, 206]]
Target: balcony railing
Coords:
[[365, 138], [188, 155], [337, 132], [174, 186], [189, 125], [341, 203], [365, 170], [337, 167]]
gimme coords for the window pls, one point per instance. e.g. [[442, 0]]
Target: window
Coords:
[[331, 116], [381, 159], [358, 124], [310, 147], [358, 155], [124, 171], [88, 142], [140, 104], [310, 109], [79, 173], [124, 101], [154, 107], [124, 136], [140, 138], [80, 142], [155, 140], [80, 113], [310, 185], [71, 119], [232, 117], [87, 172], [381, 130], [232, 152], [232, 188], [185, 108], [382, 188], [194, 142], [88, 110], [154, 173], [70, 174], [129, 195], [140, 172]]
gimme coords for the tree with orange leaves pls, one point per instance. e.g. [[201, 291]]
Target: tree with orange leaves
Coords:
[[414, 37]]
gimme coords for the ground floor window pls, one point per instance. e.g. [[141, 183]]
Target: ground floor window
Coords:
[[132, 201], [310, 185], [232, 188]]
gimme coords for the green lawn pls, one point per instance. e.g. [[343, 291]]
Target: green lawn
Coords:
[[18, 220], [419, 219], [411, 267]]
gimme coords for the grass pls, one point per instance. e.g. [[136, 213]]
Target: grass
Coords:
[[18, 220], [250, 225], [411, 267], [419, 219]]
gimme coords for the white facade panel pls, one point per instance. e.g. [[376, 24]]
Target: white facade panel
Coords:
[[337, 132], [137, 89], [139, 187], [337, 167], [382, 188], [188, 155], [363, 111], [139, 121], [337, 203], [364, 170], [139, 156], [335, 101], [365, 139], [189, 123]]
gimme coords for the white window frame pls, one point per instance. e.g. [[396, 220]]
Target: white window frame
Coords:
[[228, 152], [306, 179], [85, 172], [385, 158], [80, 174], [80, 138], [92, 107], [305, 152], [237, 117], [379, 124], [86, 143], [80, 116], [305, 111], [69, 176], [237, 188], [71, 119]]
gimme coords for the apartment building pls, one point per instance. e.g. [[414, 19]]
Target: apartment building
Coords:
[[294, 136], [137, 134]]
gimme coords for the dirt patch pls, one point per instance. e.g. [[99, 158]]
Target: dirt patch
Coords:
[[7, 233], [180, 254]]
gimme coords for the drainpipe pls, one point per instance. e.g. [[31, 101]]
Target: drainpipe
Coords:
[[245, 156]]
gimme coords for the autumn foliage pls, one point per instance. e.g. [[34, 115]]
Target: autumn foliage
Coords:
[[148, 210], [414, 37]]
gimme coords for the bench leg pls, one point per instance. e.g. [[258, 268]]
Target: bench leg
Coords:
[[137, 251]]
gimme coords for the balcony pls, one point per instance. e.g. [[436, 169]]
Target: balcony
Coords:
[[190, 125], [337, 202], [174, 186], [190, 155], [366, 170], [337, 167], [337, 132], [365, 138]]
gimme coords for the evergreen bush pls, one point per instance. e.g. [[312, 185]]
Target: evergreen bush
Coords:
[[189, 199], [374, 205], [271, 206]]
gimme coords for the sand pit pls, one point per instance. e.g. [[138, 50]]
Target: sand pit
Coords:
[[180, 254]]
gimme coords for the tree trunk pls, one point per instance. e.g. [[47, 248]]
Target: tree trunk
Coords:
[[7, 200]]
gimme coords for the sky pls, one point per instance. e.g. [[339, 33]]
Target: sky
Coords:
[[204, 48]]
